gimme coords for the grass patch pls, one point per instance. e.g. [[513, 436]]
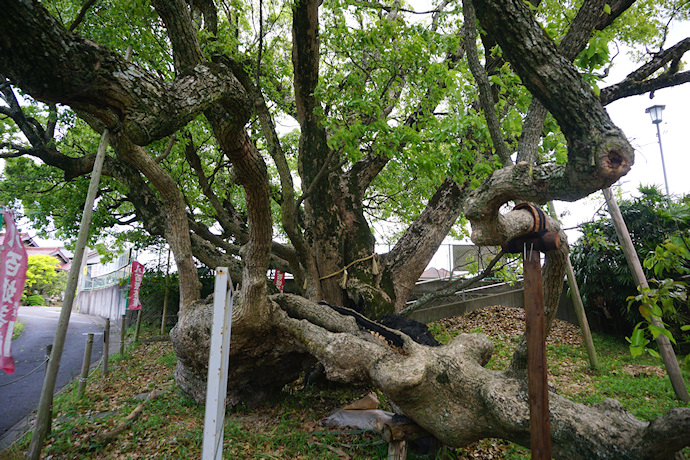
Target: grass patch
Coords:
[[171, 425], [17, 331], [639, 383]]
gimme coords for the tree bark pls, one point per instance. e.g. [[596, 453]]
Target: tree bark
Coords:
[[324, 236], [177, 231], [447, 391], [598, 153], [409, 257]]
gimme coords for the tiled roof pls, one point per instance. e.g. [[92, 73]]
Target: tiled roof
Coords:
[[434, 273], [62, 257], [26, 239]]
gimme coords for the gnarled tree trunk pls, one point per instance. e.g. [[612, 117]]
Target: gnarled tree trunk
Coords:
[[449, 393], [446, 390]]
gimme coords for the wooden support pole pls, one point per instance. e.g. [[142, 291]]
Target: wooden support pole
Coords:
[[579, 306], [46, 401], [49, 348], [397, 450], [540, 426], [123, 326], [665, 348], [138, 328], [106, 346], [581, 316], [85, 365]]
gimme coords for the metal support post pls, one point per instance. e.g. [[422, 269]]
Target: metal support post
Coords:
[[218, 367], [106, 346]]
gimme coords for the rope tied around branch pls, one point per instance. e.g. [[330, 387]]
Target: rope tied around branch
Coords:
[[374, 269]]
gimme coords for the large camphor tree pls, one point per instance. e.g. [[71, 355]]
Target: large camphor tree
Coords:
[[398, 120]]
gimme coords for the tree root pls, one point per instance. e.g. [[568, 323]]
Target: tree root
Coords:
[[111, 435], [447, 391]]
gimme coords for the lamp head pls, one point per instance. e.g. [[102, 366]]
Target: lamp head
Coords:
[[655, 112]]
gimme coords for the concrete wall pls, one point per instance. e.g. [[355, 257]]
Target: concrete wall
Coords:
[[107, 302], [502, 295]]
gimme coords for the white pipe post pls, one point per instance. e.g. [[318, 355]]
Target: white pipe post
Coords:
[[218, 364]]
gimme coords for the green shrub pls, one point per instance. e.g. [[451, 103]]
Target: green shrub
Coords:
[[602, 272], [35, 300]]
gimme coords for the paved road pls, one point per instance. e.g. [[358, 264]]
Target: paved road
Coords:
[[19, 396]]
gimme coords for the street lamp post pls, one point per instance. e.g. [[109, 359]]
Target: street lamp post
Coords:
[[655, 112]]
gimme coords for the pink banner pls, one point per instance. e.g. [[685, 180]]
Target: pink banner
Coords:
[[279, 280], [135, 284], [13, 262]]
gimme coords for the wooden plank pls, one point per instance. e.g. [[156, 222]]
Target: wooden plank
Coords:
[[397, 450], [540, 426]]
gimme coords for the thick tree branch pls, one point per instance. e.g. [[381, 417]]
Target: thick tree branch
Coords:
[[574, 41], [411, 254], [598, 152], [550, 77], [422, 382], [483, 84], [82, 13], [93, 80], [216, 240], [638, 82], [224, 218], [314, 155], [364, 171], [33, 132], [618, 7], [209, 13], [210, 256], [168, 148], [185, 44], [633, 88], [288, 206], [177, 232], [227, 117]]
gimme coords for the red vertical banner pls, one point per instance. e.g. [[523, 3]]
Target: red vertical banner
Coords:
[[13, 262], [134, 285], [279, 280]]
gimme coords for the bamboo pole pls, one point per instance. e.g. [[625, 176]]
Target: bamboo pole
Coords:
[[665, 348], [43, 415]]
